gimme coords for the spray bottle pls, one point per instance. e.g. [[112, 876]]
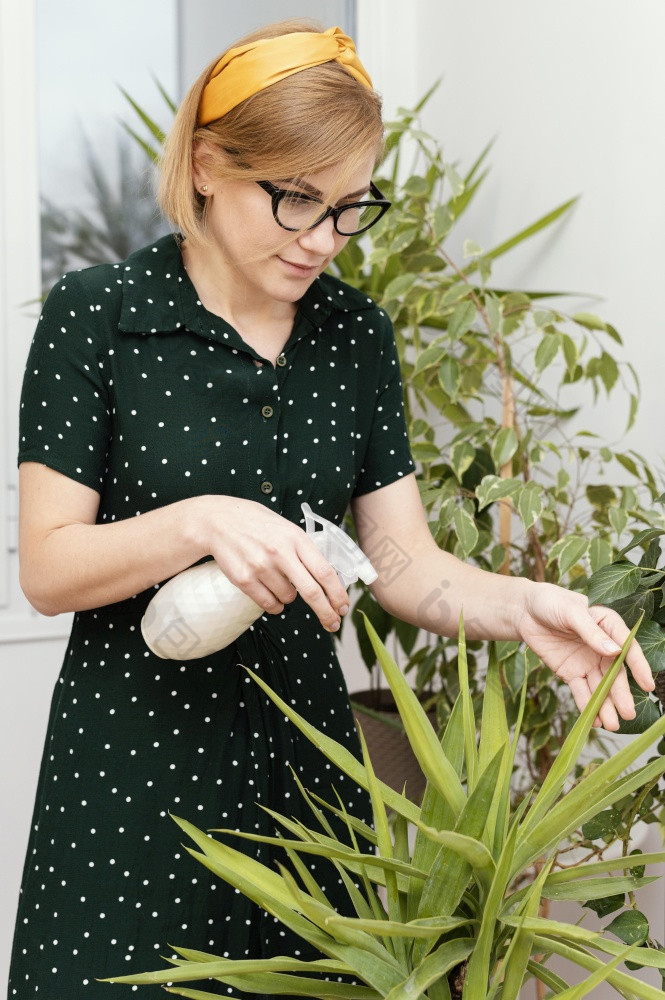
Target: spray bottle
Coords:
[[200, 611]]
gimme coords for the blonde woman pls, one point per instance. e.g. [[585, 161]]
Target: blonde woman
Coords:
[[182, 405]]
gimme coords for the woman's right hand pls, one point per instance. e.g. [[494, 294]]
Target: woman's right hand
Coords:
[[69, 562], [269, 558]]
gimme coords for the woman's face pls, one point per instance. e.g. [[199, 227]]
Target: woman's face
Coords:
[[254, 252]]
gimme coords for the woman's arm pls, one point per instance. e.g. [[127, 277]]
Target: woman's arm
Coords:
[[70, 563], [421, 584]]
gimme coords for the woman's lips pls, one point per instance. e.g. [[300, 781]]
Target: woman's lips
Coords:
[[300, 270]]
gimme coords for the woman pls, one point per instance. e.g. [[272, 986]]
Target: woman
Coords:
[[182, 405]]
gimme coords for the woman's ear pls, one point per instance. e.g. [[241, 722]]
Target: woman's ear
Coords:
[[200, 173]]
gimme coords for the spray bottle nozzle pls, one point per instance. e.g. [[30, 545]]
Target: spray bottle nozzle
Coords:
[[341, 551]]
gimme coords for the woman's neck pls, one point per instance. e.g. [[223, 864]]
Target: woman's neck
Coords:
[[263, 323]]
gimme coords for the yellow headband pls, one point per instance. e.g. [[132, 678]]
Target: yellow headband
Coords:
[[251, 68]]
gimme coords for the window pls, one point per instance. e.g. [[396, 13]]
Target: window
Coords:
[[74, 187]]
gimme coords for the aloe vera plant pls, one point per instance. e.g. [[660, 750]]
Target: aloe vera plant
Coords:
[[446, 905]]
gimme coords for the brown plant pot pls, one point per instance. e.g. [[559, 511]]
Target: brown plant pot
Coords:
[[392, 758]]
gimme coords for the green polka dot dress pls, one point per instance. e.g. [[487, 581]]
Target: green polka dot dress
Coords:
[[134, 389]]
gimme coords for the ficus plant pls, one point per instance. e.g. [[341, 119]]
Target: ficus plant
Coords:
[[444, 901], [509, 476]]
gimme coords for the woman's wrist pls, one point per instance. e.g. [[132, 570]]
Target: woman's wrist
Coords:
[[518, 593], [195, 522]]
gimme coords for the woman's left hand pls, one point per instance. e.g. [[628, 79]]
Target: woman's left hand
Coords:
[[579, 643]]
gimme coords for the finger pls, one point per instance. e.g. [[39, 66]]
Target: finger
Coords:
[[282, 589], [612, 625], [622, 697], [316, 597], [324, 574]]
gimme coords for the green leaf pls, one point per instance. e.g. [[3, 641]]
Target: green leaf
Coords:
[[454, 179], [519, 950], [461, 320], [618, 519], [639, 604], [609, 371], [642, 538], [651, 638], [568, 551], [612, 582], [423, 451], [472, 850], [399, 286], [626, 985], [530, 504], [431, 356], [600, 495], [432, 927], [631, 927], [471, 249], [443, 222], [600, 975], [590, 321], [514, 671], [342, 757], [605, 824], [632, 413], [152, 126], [570, 353], [466, 531], [578, 872], [546, 351], [433, 968], [538, 822], [493, 488], [504, 446], [450, 377], [600, 554], [606, 904], [462, 455], [646, 712], [629, 464], [468, 717], [536, 227], [433, 761]]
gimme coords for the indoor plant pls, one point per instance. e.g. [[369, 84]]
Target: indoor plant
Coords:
[[509, 478], [460, 918]]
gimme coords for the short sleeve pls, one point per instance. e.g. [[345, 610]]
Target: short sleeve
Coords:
[[65, 417], [388, 454]]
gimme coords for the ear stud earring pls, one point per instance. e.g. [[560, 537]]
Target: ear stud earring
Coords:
[[204, 188]]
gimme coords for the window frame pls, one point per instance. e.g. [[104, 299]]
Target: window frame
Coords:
[[20, 292]]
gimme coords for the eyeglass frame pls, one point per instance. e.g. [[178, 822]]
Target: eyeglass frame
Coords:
[[277, 194]]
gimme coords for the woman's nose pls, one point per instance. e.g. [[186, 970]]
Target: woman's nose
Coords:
[[321, 239]]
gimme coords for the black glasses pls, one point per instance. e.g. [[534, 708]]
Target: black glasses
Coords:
[[293, 210]]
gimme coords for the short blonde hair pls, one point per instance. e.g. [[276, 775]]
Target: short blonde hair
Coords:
[[305, 123]]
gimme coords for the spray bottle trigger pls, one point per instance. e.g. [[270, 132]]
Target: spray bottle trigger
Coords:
[[341, 551]]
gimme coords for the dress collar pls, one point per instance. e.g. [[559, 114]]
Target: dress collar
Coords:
[[159, 297]]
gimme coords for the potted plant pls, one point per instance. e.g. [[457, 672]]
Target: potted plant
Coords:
[[446, 901]]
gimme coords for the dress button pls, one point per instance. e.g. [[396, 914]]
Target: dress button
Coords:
[[266, 487], [267, 411], [281, 360]]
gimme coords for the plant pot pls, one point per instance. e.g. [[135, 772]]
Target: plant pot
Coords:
[[392, 757]]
